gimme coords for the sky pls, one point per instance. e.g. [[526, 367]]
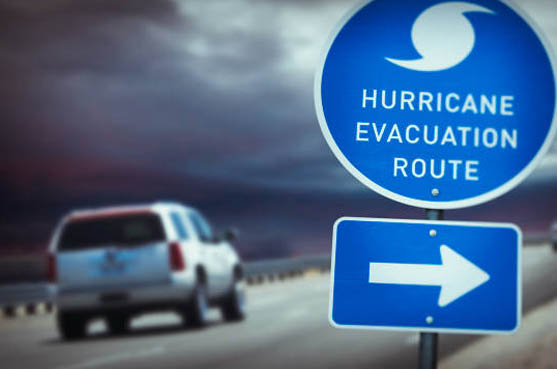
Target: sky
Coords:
[[205, 102]]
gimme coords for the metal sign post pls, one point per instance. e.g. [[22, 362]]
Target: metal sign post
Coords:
[[427, 355], [428, 351]]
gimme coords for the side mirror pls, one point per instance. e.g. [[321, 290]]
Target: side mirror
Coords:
[[230, 235]]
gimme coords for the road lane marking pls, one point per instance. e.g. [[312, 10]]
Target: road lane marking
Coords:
[[113, 359], [264, 302]]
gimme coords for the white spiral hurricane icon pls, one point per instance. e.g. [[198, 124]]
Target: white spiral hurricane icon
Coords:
[[443, 36]]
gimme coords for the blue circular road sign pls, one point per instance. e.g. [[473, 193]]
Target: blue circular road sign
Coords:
[[437, 104]]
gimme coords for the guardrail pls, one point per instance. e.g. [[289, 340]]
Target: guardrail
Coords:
[[27, 292], [279, 269], [25, 299], [536, 238]]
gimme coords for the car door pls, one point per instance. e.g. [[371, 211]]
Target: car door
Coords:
[[209, 253], [223, 263]]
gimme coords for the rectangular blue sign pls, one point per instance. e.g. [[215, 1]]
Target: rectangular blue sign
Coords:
[[437, 276]]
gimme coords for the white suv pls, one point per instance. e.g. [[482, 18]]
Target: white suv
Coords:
[[122, 261]]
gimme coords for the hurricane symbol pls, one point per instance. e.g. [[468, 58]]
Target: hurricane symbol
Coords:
[[443, 36]]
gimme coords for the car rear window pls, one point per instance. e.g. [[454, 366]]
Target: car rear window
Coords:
[[121, 230]]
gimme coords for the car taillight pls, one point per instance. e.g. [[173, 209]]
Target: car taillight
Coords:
[[177, 261], [51, 269]]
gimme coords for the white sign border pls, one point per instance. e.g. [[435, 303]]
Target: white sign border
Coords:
[[425, 328], [455, 204]]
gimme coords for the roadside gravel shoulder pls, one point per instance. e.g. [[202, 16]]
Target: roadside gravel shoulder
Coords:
[[534, 346]]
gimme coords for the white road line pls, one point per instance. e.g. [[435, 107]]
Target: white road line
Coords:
[[260, 303], [113, 359]]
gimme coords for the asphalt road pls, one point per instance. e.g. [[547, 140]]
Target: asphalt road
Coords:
[[286, 328]]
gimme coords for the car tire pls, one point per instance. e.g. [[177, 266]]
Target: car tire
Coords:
[[198, 307], [71, 326], [118, 323], [233, 308]]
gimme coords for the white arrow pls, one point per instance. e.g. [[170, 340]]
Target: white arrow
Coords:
[[456, 275]]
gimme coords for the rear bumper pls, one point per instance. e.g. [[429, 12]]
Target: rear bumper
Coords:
[[135, 298]]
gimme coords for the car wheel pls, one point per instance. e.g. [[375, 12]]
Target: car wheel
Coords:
[[196, 311], [118, 323], [234, 306], [71, 326]]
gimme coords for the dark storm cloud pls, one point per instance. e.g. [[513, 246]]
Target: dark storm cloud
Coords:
[[104, 75], [161, 89]]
